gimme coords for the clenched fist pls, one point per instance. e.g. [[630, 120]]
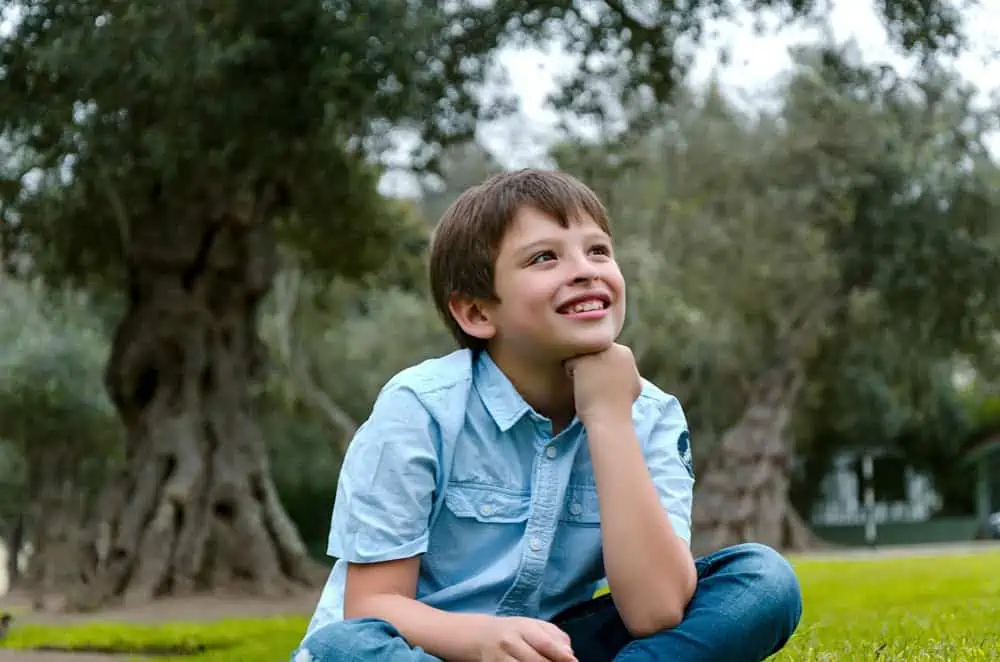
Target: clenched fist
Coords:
[[605, 385]]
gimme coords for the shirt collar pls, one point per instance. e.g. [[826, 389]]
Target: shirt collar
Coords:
[[501, 399]]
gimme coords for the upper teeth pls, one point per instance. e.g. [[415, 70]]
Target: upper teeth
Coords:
[[584, 306]]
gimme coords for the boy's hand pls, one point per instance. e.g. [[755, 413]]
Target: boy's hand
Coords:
[[516, 639], [605, 384]]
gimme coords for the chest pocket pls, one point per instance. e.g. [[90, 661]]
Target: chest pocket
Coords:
[[477, 526], [581, 507], [486, 504]]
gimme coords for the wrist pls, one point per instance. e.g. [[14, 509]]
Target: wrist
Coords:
[[476, 628], [607, 423]]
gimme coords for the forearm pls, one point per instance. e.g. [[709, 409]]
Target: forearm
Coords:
[[649, 568], [450, 636]]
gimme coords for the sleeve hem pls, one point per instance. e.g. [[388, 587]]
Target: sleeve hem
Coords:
[[681, 528], [403, 551]]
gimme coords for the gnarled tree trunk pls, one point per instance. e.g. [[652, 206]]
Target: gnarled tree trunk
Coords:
[[195, 508], [741, 493], [58, 514]]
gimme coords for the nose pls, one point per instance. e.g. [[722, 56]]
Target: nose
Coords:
[[584, 270]]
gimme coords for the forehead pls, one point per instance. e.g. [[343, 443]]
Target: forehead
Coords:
[[531, 225]]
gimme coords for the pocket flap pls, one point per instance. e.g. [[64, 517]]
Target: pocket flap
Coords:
[[486, 505]]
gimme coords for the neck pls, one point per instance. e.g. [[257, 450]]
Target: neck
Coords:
[[546, 387]]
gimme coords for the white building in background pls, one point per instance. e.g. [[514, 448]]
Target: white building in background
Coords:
[[4, 579], [22, 563], [900, 492]]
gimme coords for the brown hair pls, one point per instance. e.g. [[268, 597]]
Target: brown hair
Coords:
[[468, 237]]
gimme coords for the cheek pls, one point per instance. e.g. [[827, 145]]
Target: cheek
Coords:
[[525, 306], [616, 281], [537, 303], [530, 295]]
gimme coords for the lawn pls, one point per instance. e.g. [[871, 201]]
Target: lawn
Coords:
[[906, 609], [912, 609]]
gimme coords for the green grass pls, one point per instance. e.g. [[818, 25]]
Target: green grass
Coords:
[[903, 609], [245, 639]]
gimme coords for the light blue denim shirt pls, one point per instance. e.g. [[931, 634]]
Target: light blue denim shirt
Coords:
[[455, 465]]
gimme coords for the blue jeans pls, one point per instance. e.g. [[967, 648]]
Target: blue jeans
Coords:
[[745, 608]]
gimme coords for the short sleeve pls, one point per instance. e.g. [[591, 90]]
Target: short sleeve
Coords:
[[668, 457], [387, 481]]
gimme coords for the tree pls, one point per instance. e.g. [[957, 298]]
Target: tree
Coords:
[[235, 128], [175, 144], [773, 254], [58, 437]]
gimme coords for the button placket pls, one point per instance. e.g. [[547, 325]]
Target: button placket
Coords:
[[547, 499]]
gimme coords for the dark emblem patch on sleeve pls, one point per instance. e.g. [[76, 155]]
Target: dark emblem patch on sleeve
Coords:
[[684, 452]]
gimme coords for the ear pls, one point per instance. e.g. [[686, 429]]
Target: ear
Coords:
[[473, 315]]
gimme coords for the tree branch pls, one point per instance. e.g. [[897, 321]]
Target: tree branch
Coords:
[[286, 288], [117, 210]]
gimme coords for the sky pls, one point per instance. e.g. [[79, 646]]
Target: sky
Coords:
[[754, 64]]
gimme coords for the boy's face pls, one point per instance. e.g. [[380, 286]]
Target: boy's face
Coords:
[[561, 293]]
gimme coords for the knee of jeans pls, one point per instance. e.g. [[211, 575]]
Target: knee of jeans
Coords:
[[336, 640], [776, 584]]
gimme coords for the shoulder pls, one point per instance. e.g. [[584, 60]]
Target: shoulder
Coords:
[[413, 413], [442, 381], [654, 402], [434, 373]]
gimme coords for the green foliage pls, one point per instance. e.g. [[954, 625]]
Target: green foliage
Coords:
[[855, 228], [58, 422], [987, 413], [639, 53], [917, 259], [224, 111], [238, 107], [982, 409]]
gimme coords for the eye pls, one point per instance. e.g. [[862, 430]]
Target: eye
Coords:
[[601, 249], [541, 257]]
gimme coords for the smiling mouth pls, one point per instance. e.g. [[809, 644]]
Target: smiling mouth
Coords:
[[585, 306]]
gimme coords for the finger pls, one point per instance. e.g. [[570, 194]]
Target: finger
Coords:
[[520, 650], [557, 632], [551, 645]]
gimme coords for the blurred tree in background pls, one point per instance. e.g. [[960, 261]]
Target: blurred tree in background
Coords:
[[208, 176], [813, 273]]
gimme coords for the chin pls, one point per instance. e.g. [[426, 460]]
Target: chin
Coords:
[[581, 346]]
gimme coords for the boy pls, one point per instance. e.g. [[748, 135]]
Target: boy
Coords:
[[491, 492]]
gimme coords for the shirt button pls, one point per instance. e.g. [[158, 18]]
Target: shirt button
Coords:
[[486, 509], [535, 544], [551, 452], [576, 509]]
